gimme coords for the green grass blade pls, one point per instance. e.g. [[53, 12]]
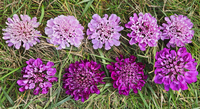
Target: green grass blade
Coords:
[[18, 9], [29, 102], [8, 97], [145, 103], [83, 1], [11, 87], [62, 101], [87, 7], [10, 73], [42, 14], [102, 57]]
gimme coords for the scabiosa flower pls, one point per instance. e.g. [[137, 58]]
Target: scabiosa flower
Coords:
[[145, 30], [37, 76], [178, 30], [81, 79], [64, 31], [175, 69], [21, 31], [127, 74], [104, 31]]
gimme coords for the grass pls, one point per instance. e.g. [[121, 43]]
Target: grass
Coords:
[[151, 96]]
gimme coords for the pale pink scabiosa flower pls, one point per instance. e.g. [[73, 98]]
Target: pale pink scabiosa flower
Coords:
[[64, 31], [37, 76], [127, 74], [22, 31], [178, 30], [175, 69], [81, 79], [145, 30], [104, 31]]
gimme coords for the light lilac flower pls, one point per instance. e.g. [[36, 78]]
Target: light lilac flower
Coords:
[[37, 76], [64, 31], [22, 31], [104, 31], [81, 79], [127, 74], [175, 69], [145, 30], [178, 30]]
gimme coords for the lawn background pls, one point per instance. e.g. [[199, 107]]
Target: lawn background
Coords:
[[152, 95]]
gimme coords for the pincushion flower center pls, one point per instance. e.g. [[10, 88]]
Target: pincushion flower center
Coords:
[[175, 67], [64, 31], [105, 31], [128, 73], [23, 29], [143, 30], [174, 29], [83, 79], [39, 77]]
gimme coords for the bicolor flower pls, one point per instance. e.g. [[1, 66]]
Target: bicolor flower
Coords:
[[37, 76]]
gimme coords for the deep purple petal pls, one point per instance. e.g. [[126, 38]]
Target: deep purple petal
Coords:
[[36, 91], [158, 79], [81, 78]]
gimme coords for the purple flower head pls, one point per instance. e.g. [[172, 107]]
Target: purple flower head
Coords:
[[37, 76], [64, 31], [145, 30], [81, 79], [178, 30], [104, 31], [175, 69], [22, 31], [127, 74]]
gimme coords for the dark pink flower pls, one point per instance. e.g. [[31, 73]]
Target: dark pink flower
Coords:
[[37, 76], [81, 79], [127, 75], [175, 69]]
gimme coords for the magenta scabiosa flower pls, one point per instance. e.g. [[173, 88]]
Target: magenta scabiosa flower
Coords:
[[104, 31], [177, 30], [37, 76], [127, 74], [145, 30], [175, 69], [64, 31], [22, 31], [81, 79]]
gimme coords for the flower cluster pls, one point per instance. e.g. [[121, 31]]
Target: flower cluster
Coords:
[[37, 76], [22, 31], [175, 69], [64, 31], [145, 30], [81, 78], [127, 74], [104, 31], [178, 30]]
